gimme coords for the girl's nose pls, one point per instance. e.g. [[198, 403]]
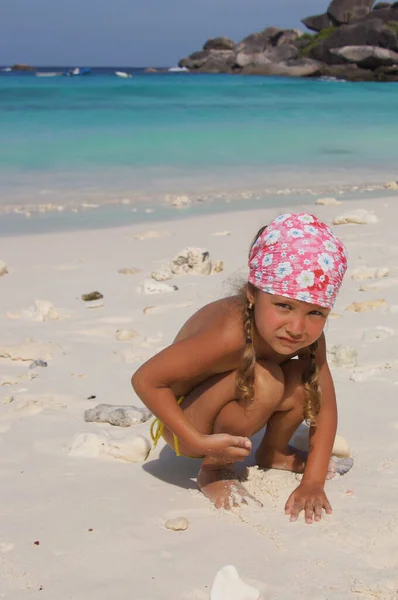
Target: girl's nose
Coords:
[[295, 327]]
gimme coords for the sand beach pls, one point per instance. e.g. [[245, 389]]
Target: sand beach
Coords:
[[81, 520]]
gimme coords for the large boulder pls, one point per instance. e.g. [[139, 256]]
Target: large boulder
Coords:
[[219, 43], [385, 14], [257, 42], [286, 36], [218, 61], [195, 60], [283, 53], [254, 59], [367, 57], [22, 67], [372, 32], [318, 22], [303, 67], [344, 11], [347, 72]]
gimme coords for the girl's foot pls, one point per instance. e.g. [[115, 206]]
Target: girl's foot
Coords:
[[295, 460], [220, 486], [291, 460]]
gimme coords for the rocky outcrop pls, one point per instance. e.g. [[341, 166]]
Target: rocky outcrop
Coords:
[[22, 67], [303, 67], [220, 43], [318, 22], [372, 32], [368, 57], [355, 40], [344, 11]]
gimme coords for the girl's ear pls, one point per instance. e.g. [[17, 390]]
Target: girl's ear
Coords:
[[251, 293]]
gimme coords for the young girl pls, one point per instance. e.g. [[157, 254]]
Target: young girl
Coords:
[[233, 368]]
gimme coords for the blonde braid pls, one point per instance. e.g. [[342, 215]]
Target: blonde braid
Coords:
[[313, 392], [245, 372]]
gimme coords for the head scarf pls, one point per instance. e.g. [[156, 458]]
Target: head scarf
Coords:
[[298, 256]]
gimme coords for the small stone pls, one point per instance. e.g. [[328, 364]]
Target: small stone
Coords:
[[38, 363], [37, 543], [92, 296], [327, 202], [191, 261], [366, 305], [95, 304], [391, 185], [3, 268], [218, 267], [119, 416], [178, 524], [359, 217], [125, 335], [129, 271], [156, 287], [162, 275], [342, 356], [228, 585], [364, 272]]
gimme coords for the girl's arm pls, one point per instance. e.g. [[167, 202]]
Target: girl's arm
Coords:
[[187, 360], [323, 434], [310, 495]]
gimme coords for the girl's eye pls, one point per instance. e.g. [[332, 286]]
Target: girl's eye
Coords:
[[317, 313], [282, 305]]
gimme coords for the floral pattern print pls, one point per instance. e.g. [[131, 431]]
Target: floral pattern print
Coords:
[[299, 257]]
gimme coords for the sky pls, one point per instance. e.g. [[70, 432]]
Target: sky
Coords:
[[133, 32]]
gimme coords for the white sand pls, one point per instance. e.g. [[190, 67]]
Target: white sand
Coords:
[[99, 520]]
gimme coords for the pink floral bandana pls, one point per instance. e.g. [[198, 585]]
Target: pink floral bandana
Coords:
[[299, 257]]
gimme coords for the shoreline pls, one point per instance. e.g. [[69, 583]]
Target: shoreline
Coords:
[[89, 214]]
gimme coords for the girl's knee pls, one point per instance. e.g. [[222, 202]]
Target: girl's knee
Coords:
[[269, 383], [295, 393]]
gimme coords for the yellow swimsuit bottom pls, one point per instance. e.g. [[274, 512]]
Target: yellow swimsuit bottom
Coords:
[[157, 428]]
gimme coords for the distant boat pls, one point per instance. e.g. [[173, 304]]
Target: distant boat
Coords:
[[6, 69], [123, 74], [77, 71], [47, 74], [178, 70]]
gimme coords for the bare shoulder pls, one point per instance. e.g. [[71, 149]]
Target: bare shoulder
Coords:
[[222, 319], [210, 342]]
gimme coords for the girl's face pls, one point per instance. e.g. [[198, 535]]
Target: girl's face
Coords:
[[287, 325]]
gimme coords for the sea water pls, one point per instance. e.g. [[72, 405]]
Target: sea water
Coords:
[[99, 141]]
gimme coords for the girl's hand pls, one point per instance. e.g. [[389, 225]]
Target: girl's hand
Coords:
[[309, 497], [229, 448]]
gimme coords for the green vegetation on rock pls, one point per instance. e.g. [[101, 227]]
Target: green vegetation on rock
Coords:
[[315, 39], [393, 25]]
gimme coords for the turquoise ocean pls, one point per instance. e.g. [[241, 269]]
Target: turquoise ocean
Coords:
[[76, 146]]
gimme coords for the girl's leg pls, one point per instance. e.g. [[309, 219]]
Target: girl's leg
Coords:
[[212, 407], [274, 450]]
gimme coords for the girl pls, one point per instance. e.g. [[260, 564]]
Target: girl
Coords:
[[233, 368]]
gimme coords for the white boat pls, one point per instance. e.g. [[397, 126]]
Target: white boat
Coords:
[[6, 70], [47, 74], [123, 74], [178, 70]]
